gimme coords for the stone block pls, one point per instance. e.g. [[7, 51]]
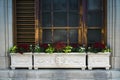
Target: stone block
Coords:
[[117, 63], [4, 74], [115, 74], [80, 75], [31, 74], [18, 74], [43, 74], [4, 64], [116, 79], [104, 75]]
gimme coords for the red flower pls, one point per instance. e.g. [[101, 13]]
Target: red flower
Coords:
[[59, 46], [74, 45], [98, 45], [23, 48], [44, 45]]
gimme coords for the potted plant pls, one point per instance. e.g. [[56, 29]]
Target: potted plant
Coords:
[[59, 46], [98, 56], [49, 49], [20, 57], [13, 49], [37, 49], [78, 57], [67, 49], [55, 57], [46, 59], [71, 59]]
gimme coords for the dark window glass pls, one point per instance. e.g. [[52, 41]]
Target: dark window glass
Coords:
[[94, 4], [46, 5], [73, 36], [60, 19], [46, 19], [74, 19], [60, 35], [47, 36], [73, 4], [59, 4], [94, 19], [94, 36]]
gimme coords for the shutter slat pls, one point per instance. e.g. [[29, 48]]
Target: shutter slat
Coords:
[[25, 21]]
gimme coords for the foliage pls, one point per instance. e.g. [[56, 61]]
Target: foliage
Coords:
[[13, 49], [98, 47], [31, 48], [43, 47], [81, 49], [75, 47], [59, 46], [20, 48], [106, 49], [23, 48], [67, 49], [37, 48], [50, 49]]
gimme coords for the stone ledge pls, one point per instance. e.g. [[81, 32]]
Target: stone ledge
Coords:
[[57, 74]]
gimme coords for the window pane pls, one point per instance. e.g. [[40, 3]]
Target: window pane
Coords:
[[59, 4], [94, 19], [60, 19], [73, 4], [94, 4], [74, 19], [47, 36], [46, 19], [94, 36], [60, 35], [46, 5], [73, 36]]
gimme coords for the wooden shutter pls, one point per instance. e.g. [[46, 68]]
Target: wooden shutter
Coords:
[[24, 21]]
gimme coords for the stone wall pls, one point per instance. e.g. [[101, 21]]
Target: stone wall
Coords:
[[113, 30], [5, 31]]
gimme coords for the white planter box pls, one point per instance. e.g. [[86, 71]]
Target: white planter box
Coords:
[[98, 60], [60, 60], [21, 60]]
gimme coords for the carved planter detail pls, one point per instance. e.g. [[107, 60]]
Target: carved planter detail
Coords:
[[21, 60], [60, 60], [99, 60]]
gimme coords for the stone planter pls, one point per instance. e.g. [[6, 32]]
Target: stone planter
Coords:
[[21, 60], [60, 60], [99, 60]]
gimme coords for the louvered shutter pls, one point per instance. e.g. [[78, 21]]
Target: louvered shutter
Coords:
[[24, 22]]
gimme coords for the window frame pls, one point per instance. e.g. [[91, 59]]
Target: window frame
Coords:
[[82, 30]]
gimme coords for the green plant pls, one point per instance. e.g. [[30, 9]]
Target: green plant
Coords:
[[81, 49], [23, 48], [31, 48], [49, 49], [98, 47], [37, 48], [13, 49], [106, 49], [59, 46], [67, 49]]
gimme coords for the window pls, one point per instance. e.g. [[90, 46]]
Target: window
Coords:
[[59, 20], [69, 21]]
